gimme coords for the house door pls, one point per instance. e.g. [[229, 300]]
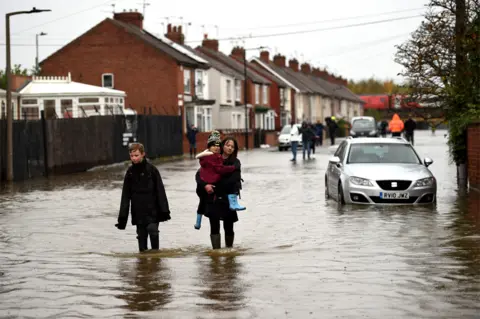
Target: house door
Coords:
[[49, 108]]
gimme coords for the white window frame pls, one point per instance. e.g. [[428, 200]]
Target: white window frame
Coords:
[[103, 80], [207, 118], [228, 90], [269, 120], [187, 81], [238, 90], [199, 75], [236, 120], [257, 94], [265, 94]]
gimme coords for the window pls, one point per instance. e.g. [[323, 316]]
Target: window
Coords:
[[265, 94], [107, 80], [207, 119], [383, 153], [29, 102], [270, 121], [187, 84], [285, 118], [89, 100], [66, 108], [237, 120], [199, 83], [30, 113], [257, 94], [228, 88], [238, 90], [282, 97]]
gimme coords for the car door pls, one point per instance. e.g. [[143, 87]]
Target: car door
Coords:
[[334, 172]]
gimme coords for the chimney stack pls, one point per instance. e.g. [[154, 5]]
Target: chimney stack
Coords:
[[279, 60], [238, 53], [135, 18], [265, 56], [175, 34], [210, 43], [293, 64], [305, 67]]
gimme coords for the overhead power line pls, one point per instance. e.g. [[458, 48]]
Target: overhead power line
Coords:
[[271, 35], [333, 20], [65, 17]]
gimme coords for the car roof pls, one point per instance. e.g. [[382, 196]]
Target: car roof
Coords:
[[377, 140], [363, 118]]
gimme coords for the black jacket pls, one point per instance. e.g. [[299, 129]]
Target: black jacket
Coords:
[[410, 126], [144, 191], [217, 205]]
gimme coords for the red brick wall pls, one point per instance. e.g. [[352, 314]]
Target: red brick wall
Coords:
[[148, 76], [271, 138], [202, 138], [473, 146]]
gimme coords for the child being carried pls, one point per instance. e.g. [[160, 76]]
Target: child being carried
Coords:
[[211, 171]]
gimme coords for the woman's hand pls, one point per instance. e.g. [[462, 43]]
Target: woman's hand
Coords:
[[209, 188]]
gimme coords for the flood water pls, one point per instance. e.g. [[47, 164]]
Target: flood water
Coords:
[[295, 255]]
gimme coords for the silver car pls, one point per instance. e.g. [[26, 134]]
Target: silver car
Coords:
[[379, 171]]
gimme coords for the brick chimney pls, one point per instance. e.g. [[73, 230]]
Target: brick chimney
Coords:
[[210, 43], [305, 67], [293, 64], [265, 56], [175, 34], [317, 72], [279, 60], [132, 17], [238, 53]]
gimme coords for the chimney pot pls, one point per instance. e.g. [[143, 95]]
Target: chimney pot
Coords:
[[134, 18], [265, 56], [293, 64]]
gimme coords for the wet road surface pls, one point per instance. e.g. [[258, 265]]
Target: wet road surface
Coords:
[[295, 255]]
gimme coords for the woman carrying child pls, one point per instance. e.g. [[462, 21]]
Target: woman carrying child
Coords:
[[221, 198]]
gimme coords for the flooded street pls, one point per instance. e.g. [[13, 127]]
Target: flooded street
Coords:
[[295, 254]]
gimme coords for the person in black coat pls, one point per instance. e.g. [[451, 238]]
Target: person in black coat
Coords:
[[144, 191], [217, 205], [410, 127]]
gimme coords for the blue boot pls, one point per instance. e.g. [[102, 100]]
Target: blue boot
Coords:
[[234, 205], [199, 221]]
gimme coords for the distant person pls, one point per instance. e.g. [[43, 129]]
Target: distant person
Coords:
[[192, 140], [319, 133], [143, 194], [410, 127], [383, 128], [294, 139], [307, 136], [396, 125], [332, 129]]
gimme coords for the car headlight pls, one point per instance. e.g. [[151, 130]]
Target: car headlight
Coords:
[[425, 182], [373, 132], [360, 181], [352, 132]]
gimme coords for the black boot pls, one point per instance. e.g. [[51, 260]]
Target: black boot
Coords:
[[229, 240], [215, 239], [155, 242], [142, 243]]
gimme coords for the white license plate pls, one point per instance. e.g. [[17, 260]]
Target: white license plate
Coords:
[[384, 195]]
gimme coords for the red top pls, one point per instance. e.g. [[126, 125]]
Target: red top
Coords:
[[212, 168]]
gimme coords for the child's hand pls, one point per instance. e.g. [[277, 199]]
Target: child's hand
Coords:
[[209, 188]]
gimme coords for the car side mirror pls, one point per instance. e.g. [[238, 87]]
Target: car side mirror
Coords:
[[427, 161], [335, 160]]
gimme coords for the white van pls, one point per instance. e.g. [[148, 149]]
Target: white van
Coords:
[[284, 137]]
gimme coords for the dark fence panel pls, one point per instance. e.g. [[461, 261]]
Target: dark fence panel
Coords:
[[161, 135], [75, 145]]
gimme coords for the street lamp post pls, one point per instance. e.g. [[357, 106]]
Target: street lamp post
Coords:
[[36, 45], [245, 91], [9, 92]]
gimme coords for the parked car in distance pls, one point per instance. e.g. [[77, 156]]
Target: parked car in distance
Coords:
[[284, 142], [364, 126], [379, 171]]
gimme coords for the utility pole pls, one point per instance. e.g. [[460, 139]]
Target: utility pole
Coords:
[[9, 92], [37, 67]]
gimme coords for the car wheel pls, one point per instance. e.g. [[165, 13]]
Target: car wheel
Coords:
[[280, 149], [340, 198], [327, 194]]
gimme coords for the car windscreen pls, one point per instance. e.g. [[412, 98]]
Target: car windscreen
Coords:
[[384, 153], [286, 129], [363, 125]]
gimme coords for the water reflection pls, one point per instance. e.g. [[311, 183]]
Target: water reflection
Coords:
[[223, 287], [148, 284]]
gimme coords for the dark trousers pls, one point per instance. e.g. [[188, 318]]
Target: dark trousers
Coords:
[[143, 232], [193, 150], [409, 137], [215, 227], [395, 134], [313, 146], [332, 138]]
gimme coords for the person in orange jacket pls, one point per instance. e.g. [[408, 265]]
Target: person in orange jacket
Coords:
[[396, 125]]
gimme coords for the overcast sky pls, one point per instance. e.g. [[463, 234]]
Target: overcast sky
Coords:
[[352, 52]]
